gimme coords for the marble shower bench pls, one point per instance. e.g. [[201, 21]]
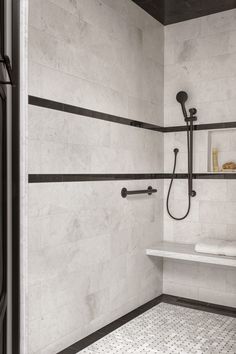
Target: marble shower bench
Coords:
[[186, 252]]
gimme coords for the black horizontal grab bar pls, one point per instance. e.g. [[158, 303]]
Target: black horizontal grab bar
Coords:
[[149, 191]]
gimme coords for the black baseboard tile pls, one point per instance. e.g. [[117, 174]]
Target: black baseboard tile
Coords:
[[85, 342], [164, 298], [199, 305]]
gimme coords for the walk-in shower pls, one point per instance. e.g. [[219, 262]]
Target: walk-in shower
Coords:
[[182, 97]]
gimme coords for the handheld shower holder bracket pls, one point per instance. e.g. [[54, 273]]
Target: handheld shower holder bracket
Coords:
[[190, 119], [193, 194]]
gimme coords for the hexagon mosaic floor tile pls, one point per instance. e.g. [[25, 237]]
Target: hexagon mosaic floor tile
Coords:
[[171, 329]]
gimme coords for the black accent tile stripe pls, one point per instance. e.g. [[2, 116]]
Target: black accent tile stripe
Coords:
[[229, 175], [169, 299], [59, 178], [47, 178], [63, 107], [208, 126]]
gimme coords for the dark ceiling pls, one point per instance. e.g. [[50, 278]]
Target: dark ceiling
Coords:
[[172, 11]]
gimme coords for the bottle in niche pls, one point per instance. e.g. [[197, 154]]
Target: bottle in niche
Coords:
[[215, 160]]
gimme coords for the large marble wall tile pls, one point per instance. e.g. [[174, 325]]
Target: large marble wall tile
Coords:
[[204, 282], [201, 60], [146, 111], [94, 50], [218, 212], [87, 259], [65, 143], [220, 22], [87, 264], [119, 6], [214, 218], [217, 297]]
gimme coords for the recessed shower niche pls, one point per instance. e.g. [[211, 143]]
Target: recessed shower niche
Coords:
[[222, 151]]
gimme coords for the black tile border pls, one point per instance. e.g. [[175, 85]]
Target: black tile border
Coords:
[[63, 107], [229, 175], [169, 299], [47, 178], [197, 127], [62, 178]]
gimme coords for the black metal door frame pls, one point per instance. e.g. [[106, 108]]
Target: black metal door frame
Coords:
[[3, 225], [15, 133], [3, 192]]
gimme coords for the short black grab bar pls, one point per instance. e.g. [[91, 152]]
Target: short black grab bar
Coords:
[[149, 191]]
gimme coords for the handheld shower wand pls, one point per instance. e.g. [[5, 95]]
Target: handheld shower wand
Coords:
[[182, 97]]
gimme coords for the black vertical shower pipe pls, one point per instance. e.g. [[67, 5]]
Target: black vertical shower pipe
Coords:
[[191, 119], [192, 193]]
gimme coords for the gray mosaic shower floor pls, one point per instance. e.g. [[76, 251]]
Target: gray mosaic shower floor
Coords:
[[171, 329]]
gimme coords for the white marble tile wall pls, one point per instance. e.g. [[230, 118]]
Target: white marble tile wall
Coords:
[[87, 262], [213, 215], [66, 143], [200, 59], [179, 140], [101, 52], [213, 284]]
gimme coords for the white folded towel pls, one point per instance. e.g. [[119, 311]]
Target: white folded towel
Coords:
[[213, 246]]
